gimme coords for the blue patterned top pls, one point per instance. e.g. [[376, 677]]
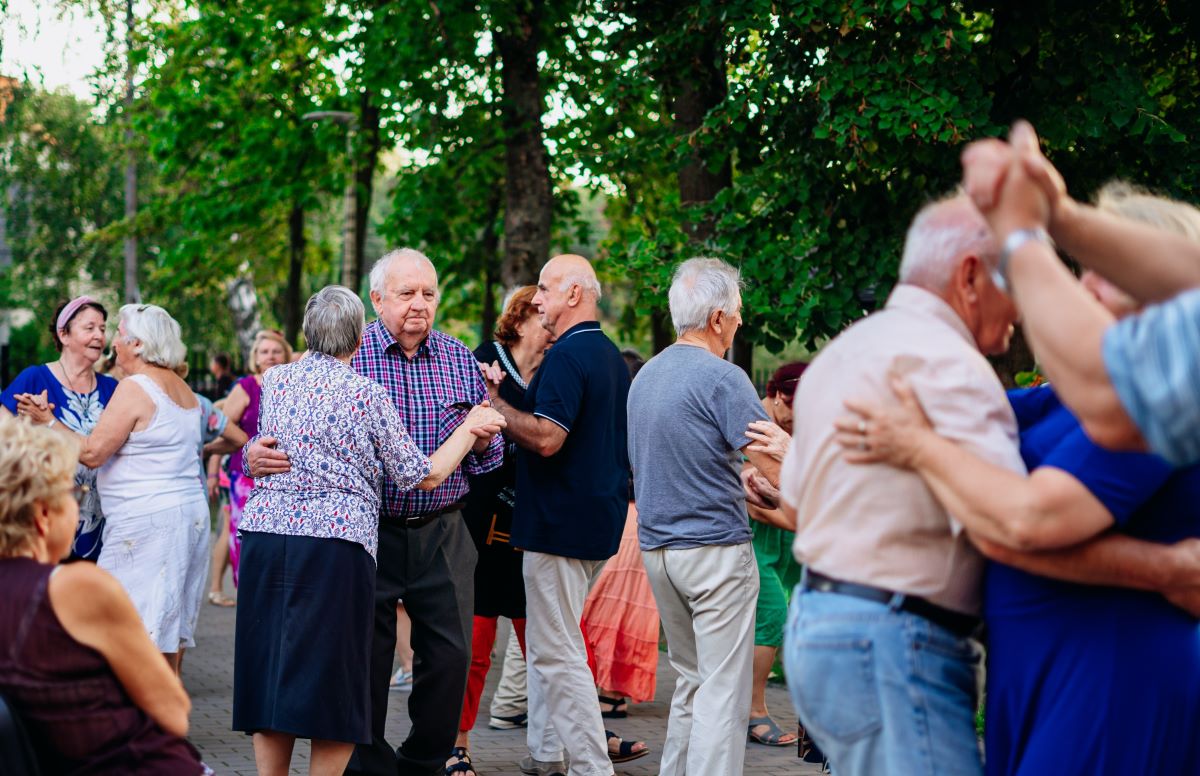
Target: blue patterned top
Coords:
[[343, 435], [1153, 360], [78, 412]]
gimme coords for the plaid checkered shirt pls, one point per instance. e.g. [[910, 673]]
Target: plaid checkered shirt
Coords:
[[433, 391]]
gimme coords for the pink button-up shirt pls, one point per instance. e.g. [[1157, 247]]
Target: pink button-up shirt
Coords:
[[875, 524]]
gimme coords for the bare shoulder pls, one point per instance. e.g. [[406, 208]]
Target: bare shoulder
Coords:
[[82, 592]]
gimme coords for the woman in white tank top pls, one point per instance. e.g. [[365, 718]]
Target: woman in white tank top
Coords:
[[145, 445]]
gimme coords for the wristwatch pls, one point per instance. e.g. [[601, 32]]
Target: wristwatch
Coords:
[[1013, 243]]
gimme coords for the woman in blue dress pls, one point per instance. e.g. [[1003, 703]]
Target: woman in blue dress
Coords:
[[78, 394], [1083, 677]]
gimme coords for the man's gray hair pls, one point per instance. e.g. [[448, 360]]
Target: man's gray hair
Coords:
[[701, 287], [585, 280], [333, 321], [380, 269], [159, 335], [940, 236]]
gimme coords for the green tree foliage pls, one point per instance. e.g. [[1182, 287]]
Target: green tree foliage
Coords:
[[843, 117], [60, 184], [837, 120], [221, 118]]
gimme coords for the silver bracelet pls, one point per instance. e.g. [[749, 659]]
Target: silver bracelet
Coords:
[[52, 422], [1013, 243]]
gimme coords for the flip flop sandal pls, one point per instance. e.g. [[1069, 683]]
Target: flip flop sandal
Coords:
[[624, 751], [616, 712], [463, 765], [773, 736]]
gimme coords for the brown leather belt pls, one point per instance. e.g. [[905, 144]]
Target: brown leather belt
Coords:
[[961, 625], [417, 521]]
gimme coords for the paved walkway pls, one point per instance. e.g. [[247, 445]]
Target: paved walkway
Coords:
[[208, 675]]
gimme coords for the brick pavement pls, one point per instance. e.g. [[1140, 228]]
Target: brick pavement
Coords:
[[208, 675]]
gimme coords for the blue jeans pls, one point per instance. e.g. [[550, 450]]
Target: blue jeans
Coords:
[[881, 691]]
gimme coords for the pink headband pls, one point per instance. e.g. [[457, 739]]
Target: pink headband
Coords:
[[72, 307]]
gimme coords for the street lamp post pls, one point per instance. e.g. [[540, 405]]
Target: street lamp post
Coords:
[[350, 277]]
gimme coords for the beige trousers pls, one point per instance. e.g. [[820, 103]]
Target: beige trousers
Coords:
[[706, 598], [564, 715]]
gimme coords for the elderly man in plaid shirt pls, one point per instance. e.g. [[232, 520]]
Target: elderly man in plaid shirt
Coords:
[[425, 552]]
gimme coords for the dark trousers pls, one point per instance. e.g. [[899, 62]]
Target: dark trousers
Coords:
[[432, 569]]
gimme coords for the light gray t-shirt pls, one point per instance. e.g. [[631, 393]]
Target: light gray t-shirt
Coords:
[[688, 412]]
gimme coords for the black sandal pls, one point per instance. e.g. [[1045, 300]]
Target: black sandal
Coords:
[[624, 751], [462, 765], [616, 712]]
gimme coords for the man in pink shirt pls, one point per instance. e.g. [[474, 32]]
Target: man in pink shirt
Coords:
[[878, 657]]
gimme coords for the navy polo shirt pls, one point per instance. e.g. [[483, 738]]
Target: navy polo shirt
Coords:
[[574, 502]]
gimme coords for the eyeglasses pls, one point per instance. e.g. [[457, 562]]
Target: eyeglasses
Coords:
[[80, 492]]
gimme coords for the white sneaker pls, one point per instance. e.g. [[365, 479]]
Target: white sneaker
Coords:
[[402, 681], [533, 767]]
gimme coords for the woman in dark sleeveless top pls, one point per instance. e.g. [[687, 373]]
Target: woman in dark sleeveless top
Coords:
[[76, 665]]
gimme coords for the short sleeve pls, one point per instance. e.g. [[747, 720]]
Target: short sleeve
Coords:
[[1121, 481], [25, 382], [559, 395], [736, 405], [1032, 404], [212, 420], [1153, 361]]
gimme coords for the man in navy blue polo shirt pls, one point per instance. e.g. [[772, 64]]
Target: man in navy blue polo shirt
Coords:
[[572, 495]]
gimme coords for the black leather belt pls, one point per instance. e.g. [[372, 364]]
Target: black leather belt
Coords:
[[961, 625], [416, 521]]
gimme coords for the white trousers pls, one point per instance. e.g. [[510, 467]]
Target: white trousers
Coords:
[[510, 697], [706, 598], [564, 716]]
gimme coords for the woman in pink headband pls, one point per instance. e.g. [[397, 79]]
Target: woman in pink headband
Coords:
[[77, 395]]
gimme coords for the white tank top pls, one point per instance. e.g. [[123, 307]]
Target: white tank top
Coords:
[[156, 467]]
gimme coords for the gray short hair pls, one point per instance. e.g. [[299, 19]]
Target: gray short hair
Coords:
[[941, 234], [333, 321], [701, 287], [159, 334], [585, 280], [380, 269]]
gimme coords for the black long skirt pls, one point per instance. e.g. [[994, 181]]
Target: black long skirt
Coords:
[[302, 651]]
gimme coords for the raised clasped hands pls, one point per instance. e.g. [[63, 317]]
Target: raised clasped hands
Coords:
[[36, 407], [1012, 184], [891, 434], [485, 421]]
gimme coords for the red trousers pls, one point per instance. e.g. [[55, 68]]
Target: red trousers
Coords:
[[482, 640]]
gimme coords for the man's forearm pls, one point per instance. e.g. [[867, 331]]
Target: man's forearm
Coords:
[[1111, 559], [539, 435]]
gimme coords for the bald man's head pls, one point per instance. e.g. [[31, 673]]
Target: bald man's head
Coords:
[[568, 269], [567, 292]]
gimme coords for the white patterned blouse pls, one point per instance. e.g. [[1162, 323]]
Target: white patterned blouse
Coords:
[[343, 435]]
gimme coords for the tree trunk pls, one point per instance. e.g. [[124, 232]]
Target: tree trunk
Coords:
[[489, 246], [291, 297], [243, 304], [368, 116], [698, 87], [1018, 358], [528, 199], [661, 332], [132, 294]]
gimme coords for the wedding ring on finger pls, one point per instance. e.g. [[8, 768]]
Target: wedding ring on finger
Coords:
[[862, 427], [863, 446]]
